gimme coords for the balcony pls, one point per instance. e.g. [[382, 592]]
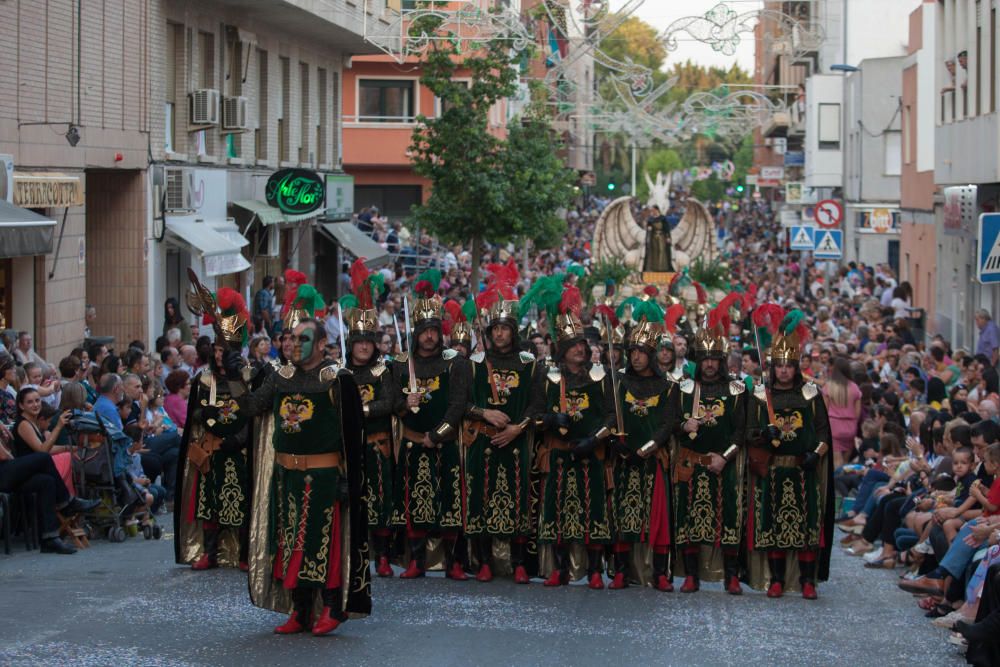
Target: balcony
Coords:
[[337, 22]]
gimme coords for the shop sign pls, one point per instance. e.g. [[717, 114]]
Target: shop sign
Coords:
[[339, 196], [47, 190], [295, 191]]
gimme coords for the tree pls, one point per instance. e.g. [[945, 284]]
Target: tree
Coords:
[[484, 186]]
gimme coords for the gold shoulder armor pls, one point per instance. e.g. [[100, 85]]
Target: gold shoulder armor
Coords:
[[597, 372], [449, 354], [554, 375], [286, 371], [736, 387], [759, 392], [810, 390], [687, 385], [328, 373], [478, 357], [527, 357], [378, 368], [402, 357], [206, 377]]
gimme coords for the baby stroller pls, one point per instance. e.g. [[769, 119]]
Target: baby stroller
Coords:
[[101, 473]]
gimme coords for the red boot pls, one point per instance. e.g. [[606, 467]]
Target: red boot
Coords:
[[595, 582], [456, 572], [618, 582], [206, 562], [325, 624], [412, 571], [733, 586], [775, 590], [664, 584], [383, 569], [690, 585], [521, 575], [809, 590], [485, 573], [291, 626], [557, 578]]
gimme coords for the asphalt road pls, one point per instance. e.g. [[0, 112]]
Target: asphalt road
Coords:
[[128, 604]]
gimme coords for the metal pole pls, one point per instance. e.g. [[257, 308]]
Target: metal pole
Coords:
[[633, 192]]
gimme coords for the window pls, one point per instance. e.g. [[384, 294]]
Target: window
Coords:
[[206, 141], [174, 78], [907, 134], [321, 124], [260, 134], [335, 153], [386, 101], [304, 125], [829, 126], [286, 103], [892, 144], [441, 106]]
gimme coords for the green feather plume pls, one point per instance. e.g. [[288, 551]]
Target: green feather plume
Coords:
[[647, 310], [546, 293], [577, 270], [348, 301], [632, 302], [309, 299], [792, 320], [469, 309]]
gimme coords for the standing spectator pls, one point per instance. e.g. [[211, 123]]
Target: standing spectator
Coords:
[[263, 305], [24, 352], [189, 359], [843, 401], [172, 319], [989, 335], [175, 404], [392, 238]]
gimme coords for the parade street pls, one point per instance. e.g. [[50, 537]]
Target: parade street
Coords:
[[128, 604]]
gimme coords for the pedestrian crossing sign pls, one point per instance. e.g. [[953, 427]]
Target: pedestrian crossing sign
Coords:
[[988, 266], [802, 238], [829, 244]]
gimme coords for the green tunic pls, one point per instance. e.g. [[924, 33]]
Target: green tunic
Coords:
[[649, 407], [378, 393], [708, 507], [222, 493], [429, 484], [574, 501], [786, 500], [498, 477]]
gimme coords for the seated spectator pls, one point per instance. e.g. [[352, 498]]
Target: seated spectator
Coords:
[[164, 444], [8, 393], [30, 436], [175, 404]]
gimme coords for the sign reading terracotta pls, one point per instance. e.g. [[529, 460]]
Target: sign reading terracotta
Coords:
[[47, 190], [295, 191]]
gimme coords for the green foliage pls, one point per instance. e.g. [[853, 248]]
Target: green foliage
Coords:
[[709, 190], [613, 269], [743, 160], [485, 186], [712, 275]]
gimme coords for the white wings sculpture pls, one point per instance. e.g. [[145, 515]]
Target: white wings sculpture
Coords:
[[618, 235]]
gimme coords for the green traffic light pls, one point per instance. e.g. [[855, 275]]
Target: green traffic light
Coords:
[[611, 186], [739, 188]]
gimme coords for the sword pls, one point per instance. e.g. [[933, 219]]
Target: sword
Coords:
[[413, 388], [767, 390], [343, 343], [614, 379], [399, 339], [696, 408]]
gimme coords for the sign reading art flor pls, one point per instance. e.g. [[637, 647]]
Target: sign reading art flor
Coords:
[[295, 191]]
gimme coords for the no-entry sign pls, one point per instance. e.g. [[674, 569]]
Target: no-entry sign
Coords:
[[829, 213]]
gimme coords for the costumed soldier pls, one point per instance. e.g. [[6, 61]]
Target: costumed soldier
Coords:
[[378, 396], [791, 474], [643, 419], [457, 326], [708, 465], [433, 398], [567, 403], [309, 530], [498, 463], [214, 479], [666, 355]]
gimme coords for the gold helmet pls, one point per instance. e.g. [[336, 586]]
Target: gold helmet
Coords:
[[358, 306], [712, 340], [461, 334], [789, 338], [225, 310], [361, 322], [504, 311], [645, 334], [305, 304]]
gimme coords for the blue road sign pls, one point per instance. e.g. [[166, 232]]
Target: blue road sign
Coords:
[[802, 238], [829, 244], [988, 266]]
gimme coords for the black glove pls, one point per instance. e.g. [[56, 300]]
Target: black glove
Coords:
[[584, 446], [232, 364], [810, 461], [231, 444], [772, 433], [555, 420], [618, 444]]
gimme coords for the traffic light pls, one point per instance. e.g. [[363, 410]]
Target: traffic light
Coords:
[[611, 186], [739, 188]]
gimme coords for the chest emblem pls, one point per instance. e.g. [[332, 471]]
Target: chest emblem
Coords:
[[427, 387], [640, 406], [789, 424], [227, 411], [367, 392], [504, 382], [712, 409], [294, 411], [576, 404]]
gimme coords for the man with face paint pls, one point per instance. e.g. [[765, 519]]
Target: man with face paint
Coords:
[[213, 478], [378, 394], [789, 452], [495, 431], [708, 466], [567, 404], [649, 405], [429, 483], [309, 541]]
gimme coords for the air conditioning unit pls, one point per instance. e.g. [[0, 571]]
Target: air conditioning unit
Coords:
[[204, 107], [178, 194], [234, 113]]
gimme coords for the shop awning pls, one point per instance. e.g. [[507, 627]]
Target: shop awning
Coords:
[[356, 242], [229, 229], [268, 215], [219, 254], [24, 232]]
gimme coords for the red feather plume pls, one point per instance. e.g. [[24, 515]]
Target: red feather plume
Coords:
[[768, 316], [487, 298], [294, 278], [673, 316], [424, 289], [571, 301], [230, 299], [359, 286], [719, 316], [604, 312], [700, 291], [651, 291]]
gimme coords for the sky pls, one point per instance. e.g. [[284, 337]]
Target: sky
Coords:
[[661, 13]]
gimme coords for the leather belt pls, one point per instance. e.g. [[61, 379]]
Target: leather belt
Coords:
[[787, 461], [413, 436], [691, 458], [307, 461]]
